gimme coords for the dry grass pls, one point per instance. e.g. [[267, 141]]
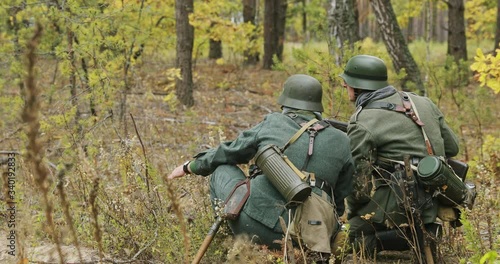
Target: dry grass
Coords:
[[106, 182]]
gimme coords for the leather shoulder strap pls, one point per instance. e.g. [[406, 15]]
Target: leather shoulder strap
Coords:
[[409, 109], [385, 106]]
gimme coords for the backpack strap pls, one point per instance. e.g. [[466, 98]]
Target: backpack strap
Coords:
[[408, 108], [416, 118], [313, 129]]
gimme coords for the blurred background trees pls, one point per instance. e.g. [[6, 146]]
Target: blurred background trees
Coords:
[[179, 65]]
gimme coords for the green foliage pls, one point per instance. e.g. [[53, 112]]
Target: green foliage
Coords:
[[220, 21], [316, 17], [489, 257], [117, 57], [406, 10], [316, 61], [481, 230]]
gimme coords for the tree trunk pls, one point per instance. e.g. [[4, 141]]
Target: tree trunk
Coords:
[[497, 32], [343, 27], [410, 30], [274, 31], [396, 46], [249, 11], [307, 36], [457, 43], [280, 27], [215, 49], [269, 32], [184, 49]]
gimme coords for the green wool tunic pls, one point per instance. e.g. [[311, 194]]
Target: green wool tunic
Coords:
[[385, 133], [331, 161]]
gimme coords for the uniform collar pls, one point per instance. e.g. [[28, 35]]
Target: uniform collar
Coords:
[[366, 97], [305, 113]]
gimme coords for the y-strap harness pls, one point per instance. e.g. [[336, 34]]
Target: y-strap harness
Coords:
[[408, 108], [312, 127]]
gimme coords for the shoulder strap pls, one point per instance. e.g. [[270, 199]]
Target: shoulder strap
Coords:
[[298, 133], [409, 109], [426, 138], [406, 108], [386, 106]]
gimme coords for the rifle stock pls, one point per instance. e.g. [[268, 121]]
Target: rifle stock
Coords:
[[342, 126], [232, 208]]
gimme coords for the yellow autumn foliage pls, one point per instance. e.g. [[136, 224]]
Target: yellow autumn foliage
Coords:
[[488, 69]]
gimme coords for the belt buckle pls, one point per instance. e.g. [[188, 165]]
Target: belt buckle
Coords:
[[312, 179]]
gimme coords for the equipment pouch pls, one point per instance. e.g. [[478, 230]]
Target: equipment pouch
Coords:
[[406, 188], [314, 223]]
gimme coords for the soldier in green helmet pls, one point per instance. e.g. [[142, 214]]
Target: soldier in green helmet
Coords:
[[385, 128], [330, 161]]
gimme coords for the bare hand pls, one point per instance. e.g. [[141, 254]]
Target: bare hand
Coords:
[[176, 173]]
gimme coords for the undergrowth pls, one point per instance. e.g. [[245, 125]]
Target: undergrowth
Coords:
[[104, 186]]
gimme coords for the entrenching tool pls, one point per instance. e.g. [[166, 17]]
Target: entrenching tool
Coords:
[[232, 208]]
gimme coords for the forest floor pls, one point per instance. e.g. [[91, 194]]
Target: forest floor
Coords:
[[228, 98]]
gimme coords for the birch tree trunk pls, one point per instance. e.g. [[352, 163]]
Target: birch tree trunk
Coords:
[[396, 46], [343, 27]]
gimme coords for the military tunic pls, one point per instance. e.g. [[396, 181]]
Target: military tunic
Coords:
[[385, 133], [331, 161]]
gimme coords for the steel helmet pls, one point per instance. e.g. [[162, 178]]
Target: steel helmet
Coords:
[[303, 92], [365, 72]]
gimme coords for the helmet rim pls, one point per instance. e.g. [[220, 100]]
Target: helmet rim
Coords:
[[363, 84], [301, 91], [365, 72]]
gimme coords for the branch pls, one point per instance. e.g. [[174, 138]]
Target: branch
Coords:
[[143, 151]]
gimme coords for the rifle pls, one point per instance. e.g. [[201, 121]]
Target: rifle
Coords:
[[460, 168], [232, 208], [342, 126]]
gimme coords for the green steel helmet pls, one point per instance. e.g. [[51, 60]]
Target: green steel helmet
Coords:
[[303, 92], [365, 72]]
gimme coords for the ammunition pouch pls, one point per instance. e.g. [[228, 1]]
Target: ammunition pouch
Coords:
[[284, 176], [407, 188]]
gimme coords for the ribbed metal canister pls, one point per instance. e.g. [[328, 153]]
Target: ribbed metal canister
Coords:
[[272, 162]]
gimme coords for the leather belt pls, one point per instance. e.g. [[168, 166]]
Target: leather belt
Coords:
[[390, 165], [323, 185]]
